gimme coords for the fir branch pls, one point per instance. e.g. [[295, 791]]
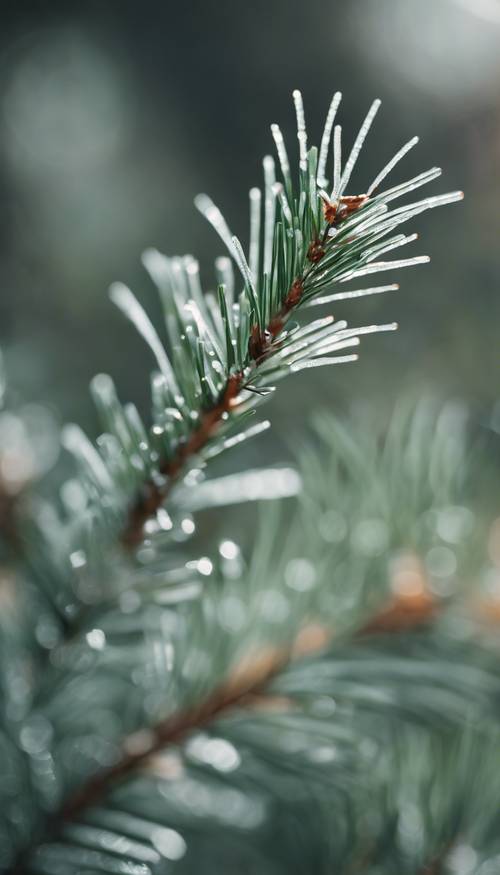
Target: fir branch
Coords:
[[226, 353], [247, 687]]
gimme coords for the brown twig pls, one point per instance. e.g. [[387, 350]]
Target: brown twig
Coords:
[[248, 679]]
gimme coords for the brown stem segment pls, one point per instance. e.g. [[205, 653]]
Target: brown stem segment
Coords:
[[153, 496]]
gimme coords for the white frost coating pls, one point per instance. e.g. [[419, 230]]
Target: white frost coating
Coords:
[[315, 325], [225, 276], [204, 329], [157, 265], [391, 164], [279, 192], [256, 485], [320, 335], [121, 295], [269, 212], [355, 293], [238, 438], [168, 842], [281, 150], [440, 200], [212, 214], [408, 211], [179, 279], [319, 363], [325, 347], [395, 243], [358, 144], [243, 266], [250, 432], [301, 128], [192, 271], [77, 443], [325, 139], [337, 161], [405, 187], [369, 329], [254, 249], [385, 265], [104, 393], [328, 344]]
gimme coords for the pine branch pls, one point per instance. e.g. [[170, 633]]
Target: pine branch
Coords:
[[246, 684], [226, 353], [246, 688]]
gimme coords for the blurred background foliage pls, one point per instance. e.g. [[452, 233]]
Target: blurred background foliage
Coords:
[[114, 115]]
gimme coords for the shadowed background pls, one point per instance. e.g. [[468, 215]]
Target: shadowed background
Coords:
[[114, 115]]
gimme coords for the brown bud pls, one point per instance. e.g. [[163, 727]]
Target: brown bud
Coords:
[[315, 252]]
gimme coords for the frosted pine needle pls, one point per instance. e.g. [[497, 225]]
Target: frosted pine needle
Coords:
[[385, 265], [337, 161], [321, 362], [282, 154], [269, 212], [121, 295], [225, 276], [355, 293], [325, 139], [358, 144], [255, 214], [301, 128], [278, 191], [212, 213], [391, 164]]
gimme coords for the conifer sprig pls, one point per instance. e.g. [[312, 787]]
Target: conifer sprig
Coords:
[[226, 351]]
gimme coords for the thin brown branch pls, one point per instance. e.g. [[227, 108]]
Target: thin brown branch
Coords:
[[248, 679]]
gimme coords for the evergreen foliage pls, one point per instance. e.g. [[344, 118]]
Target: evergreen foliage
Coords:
[[323, 704]]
